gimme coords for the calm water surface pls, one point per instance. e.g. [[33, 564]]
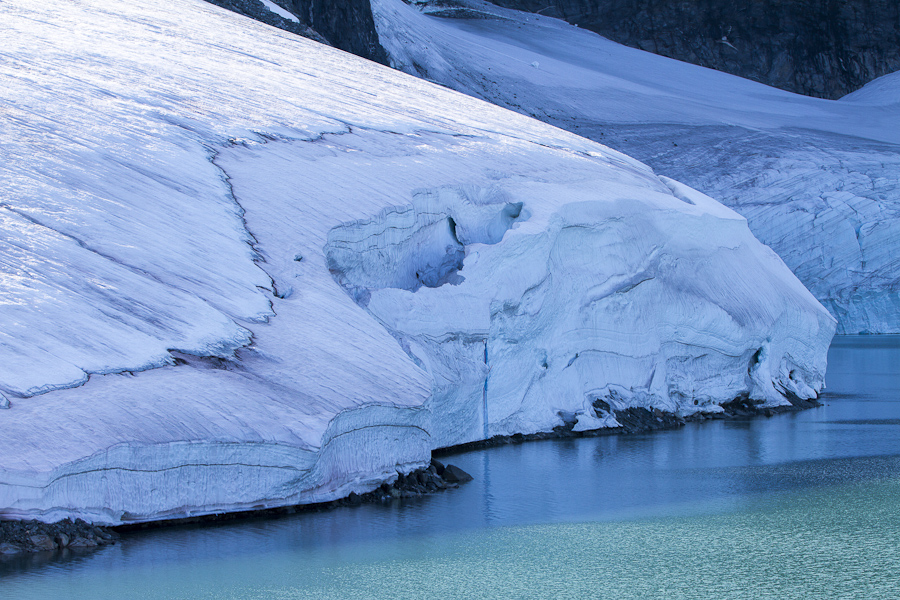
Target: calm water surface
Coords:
[[800, 505]]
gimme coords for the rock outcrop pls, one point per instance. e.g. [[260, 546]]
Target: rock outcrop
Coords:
[[347, 24], [255, 9], [822, 48], [17, 537], [344, 24]]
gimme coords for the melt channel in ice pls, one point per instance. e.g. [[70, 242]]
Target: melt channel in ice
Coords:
[[242, 270]]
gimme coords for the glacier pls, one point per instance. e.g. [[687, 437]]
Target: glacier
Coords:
[[818, 180], [244, 270]]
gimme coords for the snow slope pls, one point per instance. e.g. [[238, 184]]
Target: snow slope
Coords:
[[818, 180], [242, 270], [884, 92]]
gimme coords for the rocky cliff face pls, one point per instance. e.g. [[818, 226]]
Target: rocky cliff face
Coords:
[[344, 24], [822, 48], [255, 9], [347, 24]]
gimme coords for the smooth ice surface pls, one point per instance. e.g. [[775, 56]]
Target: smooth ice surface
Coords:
[[245, 270], [796, 506], [818, 180], [884, 91]]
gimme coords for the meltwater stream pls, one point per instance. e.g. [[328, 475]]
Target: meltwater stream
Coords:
[[803, 505]]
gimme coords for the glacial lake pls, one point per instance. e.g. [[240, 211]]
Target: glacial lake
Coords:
[[803, 505]]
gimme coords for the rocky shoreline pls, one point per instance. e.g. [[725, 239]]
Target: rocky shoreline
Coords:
[[17, 537], [22, 537], [643, 420], [436, 477]]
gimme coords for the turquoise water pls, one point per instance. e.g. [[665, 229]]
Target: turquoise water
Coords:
[[802, 505]]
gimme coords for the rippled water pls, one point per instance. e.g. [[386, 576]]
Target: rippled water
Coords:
[[802, 505]]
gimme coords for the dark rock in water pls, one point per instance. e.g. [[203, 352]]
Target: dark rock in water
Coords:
[[42, 542], [743, 407], [799, 403], [822, 48], [438, 467], [454, 474], [407, 485], [638, 419], [82, 542], [34, 536], [642, 420]]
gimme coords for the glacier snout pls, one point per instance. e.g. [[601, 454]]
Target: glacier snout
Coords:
[[339, 268], [663, 300]]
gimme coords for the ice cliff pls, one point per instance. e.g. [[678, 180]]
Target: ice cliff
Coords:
[[818, 180], [242, 269]]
